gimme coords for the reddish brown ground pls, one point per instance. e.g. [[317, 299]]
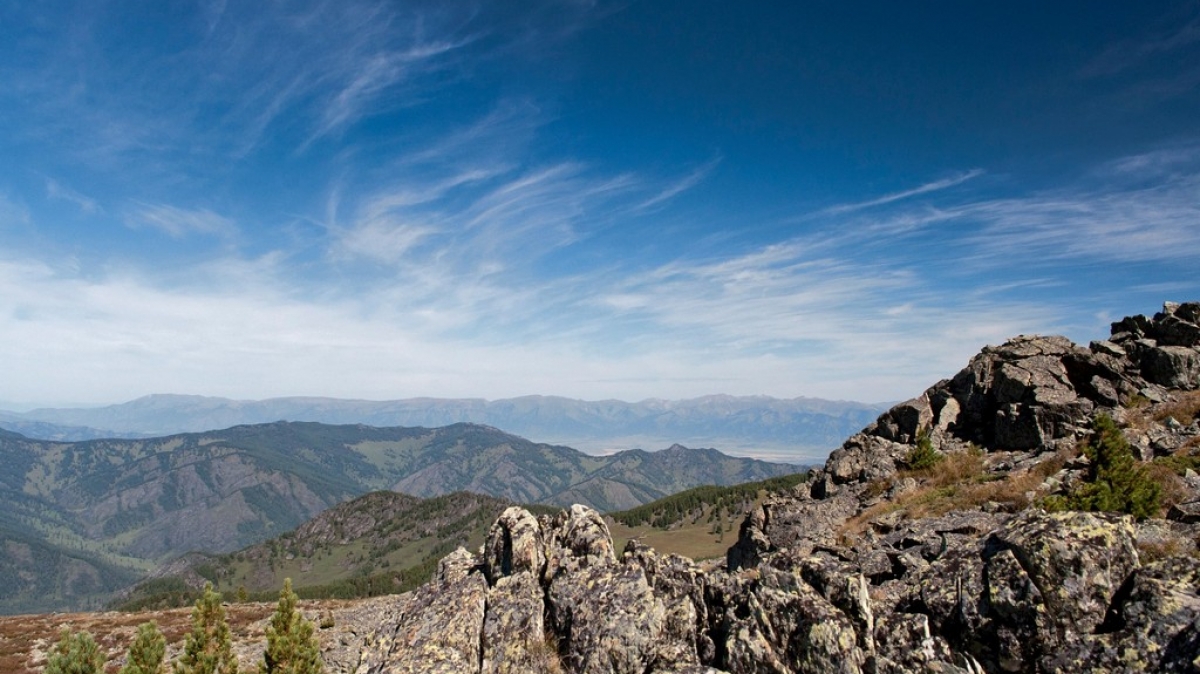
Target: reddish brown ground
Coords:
[[25, 639]]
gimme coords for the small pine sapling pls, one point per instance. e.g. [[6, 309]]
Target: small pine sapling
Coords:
[[146, 652], [1116, 481], [923, 456], [75, 653], [291, 646], [208, 649]]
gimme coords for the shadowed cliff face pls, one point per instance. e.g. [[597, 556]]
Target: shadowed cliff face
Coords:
[[873, 566]]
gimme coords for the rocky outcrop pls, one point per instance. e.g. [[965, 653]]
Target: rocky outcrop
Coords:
[[847, 574], [966, 592], [548, 595]]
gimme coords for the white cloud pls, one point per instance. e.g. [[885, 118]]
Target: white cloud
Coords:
[[1139, 224], [1156, 163], [382, 239], [56, 190], [180, 222], [854, 308], [927, 188], [1178, 33], [692, 179], [369, 78]]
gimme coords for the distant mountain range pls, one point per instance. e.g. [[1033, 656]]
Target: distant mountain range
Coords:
[[800, 430], [80, 519]]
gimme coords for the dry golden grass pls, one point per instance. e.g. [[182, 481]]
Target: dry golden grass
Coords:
[[960, 482], [545, 658], [1173, 489], [1185, 408], [1149, 552], [695, 540]]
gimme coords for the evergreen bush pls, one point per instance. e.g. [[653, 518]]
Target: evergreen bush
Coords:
[[291, 647], [146, 652], [923, 456], [75, 653], [208, 648], [1116, 482]]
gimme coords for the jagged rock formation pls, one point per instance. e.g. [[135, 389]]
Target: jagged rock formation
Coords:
[[871, 567]]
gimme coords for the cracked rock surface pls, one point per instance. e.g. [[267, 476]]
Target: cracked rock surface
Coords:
[[844, 574]]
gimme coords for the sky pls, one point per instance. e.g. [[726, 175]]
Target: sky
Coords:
[[629, 200]]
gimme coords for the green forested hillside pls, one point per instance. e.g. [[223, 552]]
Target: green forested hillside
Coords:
[[701, 522], [676, 509], [378, 543], [389, 542], [130, 504]]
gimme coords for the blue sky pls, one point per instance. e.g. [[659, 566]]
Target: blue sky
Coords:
[[663, 198]]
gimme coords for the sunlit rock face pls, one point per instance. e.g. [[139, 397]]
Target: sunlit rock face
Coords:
[[871, 567]]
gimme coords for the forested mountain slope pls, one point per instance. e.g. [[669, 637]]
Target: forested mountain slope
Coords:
[[127, 504]]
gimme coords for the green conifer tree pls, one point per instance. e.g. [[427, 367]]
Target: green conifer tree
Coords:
[[923, 455], [146, 652], [208, 649], [75, 653], [1116, 481], [291, 647]]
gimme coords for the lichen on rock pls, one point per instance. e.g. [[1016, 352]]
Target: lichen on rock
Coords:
[[841, 576]]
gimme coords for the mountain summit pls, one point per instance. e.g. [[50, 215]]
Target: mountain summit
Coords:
[[963, 531]]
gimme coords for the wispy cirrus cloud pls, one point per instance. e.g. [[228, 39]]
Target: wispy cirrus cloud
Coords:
[[316, 68], [244, 77], [469, 250], [927, 188], [687, 182], [1160, 65], [1139, 208], [56, 190], [180, 222], [1155, 163], [372, 77], [1136, 208], [1177, 33], [815, 310]]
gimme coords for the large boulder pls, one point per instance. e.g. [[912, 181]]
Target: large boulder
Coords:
[[576, 538], [1075, 560], [514, 544], [437, 628], [1170, 366], [1020, 395], [607, 618]]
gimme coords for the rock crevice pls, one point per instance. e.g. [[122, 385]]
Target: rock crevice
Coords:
[[838, 577]]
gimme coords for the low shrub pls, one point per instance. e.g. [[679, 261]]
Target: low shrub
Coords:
[[923, 456], [1116, 481]]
